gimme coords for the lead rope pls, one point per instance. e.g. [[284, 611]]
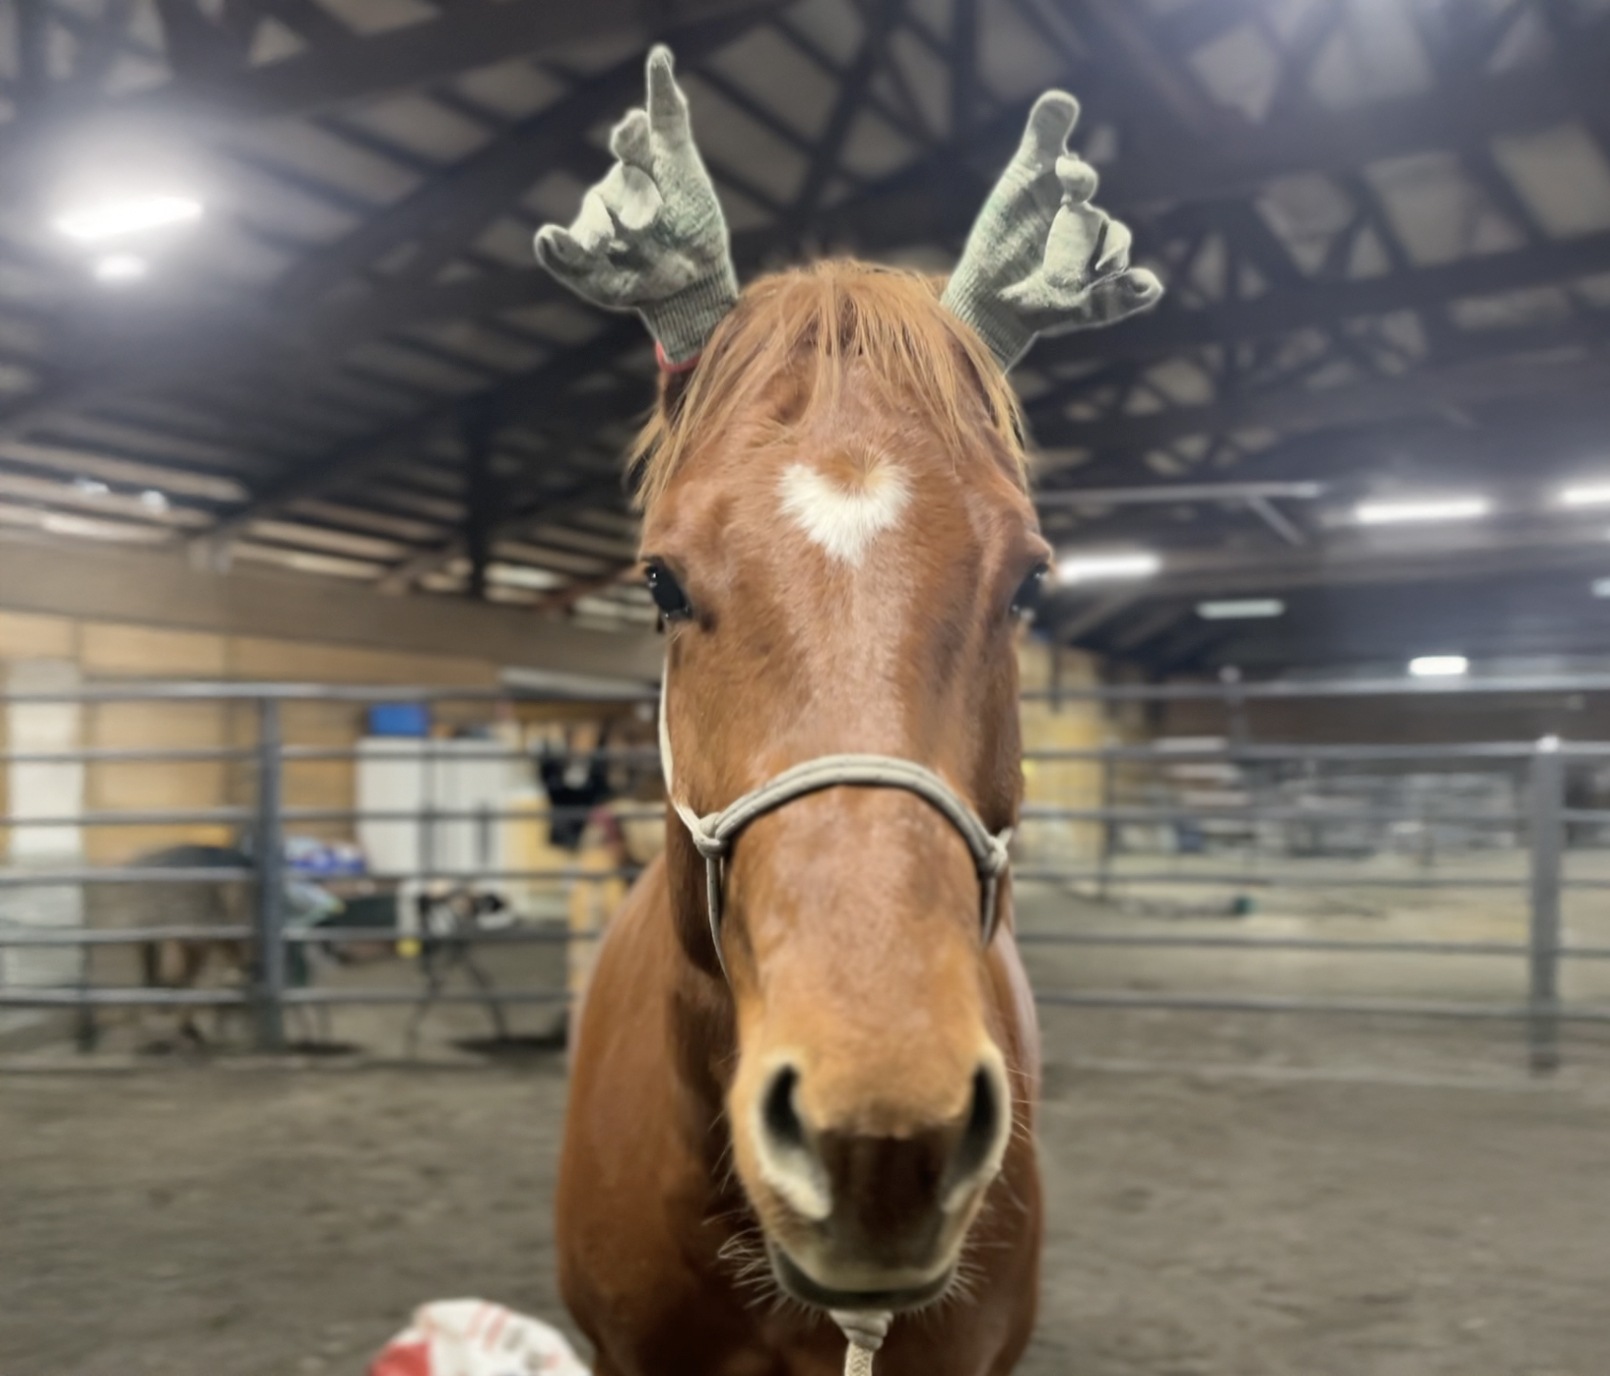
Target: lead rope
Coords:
[[866, 1333]]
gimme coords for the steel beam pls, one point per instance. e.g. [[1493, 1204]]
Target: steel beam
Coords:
[[340, 72], [1319, 303], [1167, 493], [1431, 390]]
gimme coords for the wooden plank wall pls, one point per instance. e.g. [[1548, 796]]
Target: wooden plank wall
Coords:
[[111, 651], [107, 651], [1070, 725]]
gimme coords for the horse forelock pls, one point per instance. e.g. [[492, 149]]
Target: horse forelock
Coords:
[[804, 331]]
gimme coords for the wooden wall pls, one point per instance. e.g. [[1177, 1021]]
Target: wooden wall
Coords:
[[1070, 725], [109, 651]]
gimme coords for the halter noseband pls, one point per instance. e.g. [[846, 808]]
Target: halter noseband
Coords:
[[714, 834]]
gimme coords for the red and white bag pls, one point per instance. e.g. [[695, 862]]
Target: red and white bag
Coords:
[[474, 1338]]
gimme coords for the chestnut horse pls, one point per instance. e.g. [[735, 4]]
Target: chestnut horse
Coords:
[[830, 1106]]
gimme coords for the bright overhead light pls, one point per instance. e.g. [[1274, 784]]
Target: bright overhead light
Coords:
[[1245, 609], [1439, 666], [522, 576], [88, 528], [120, 267], [1586, 494], [1383, 513], [1104, 568], [112, 219], [1602, 588], [152, 500], [90, 487]]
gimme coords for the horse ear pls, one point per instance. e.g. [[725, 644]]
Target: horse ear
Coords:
[[1042, 258], [650, 236]]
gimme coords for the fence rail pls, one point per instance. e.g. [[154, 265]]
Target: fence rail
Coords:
[[1228, 690], [1544, 819]]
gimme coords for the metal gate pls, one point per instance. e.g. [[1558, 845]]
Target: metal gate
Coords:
[[1541, 815]]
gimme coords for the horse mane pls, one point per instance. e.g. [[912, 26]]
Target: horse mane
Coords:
[[814, 324]]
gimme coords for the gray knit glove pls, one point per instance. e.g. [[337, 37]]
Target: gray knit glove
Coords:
[[651, 237], [1041, 259]]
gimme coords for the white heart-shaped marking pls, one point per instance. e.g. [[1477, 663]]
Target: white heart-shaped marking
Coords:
[[844, 523]]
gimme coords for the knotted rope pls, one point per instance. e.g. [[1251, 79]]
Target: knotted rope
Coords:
[[866, 1333], [858, 1361]]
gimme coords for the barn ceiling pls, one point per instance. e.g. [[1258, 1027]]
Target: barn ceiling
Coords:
[[1385, 225]]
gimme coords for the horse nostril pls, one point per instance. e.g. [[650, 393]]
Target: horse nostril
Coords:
[[778, 1114], [979, 1148], [790, 1163]]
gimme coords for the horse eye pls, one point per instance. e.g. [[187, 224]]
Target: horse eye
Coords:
[[667, 592], [1027, 598]]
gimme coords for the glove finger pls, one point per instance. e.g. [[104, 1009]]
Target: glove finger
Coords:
[[1078, 178], [1114, 252], [1031, 297], [640, 200], [555, 247], [611, 188], [631, 143], [1076, 237], [558, 251], [1122, 296], [667, 106], [1045, 138], [594, 226]]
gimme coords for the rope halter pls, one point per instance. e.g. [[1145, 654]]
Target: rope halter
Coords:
[[714, 833]]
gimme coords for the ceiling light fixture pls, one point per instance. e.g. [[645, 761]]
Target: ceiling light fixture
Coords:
[[1439, 666], [1427, 509], [120, 267], [89, 528], [1602, 588], [1243, 609], [113, 219], [1586, 494], [1106, 568]]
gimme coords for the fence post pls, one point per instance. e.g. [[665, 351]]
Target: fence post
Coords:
[[1107, 831], [1548, 846], [269, 851]]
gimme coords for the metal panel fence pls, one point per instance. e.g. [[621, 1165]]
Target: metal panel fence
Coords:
[[1543, 820]]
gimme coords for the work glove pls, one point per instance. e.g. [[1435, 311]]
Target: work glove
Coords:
[[650, 236], [1041, 257]]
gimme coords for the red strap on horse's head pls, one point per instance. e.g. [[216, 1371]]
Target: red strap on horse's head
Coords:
[[673, 369]]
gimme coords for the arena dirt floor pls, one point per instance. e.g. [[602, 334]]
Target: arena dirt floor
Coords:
[[1230, 1194]]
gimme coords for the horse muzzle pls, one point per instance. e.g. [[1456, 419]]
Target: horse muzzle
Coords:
[[873, 1219], [893, 1296]]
